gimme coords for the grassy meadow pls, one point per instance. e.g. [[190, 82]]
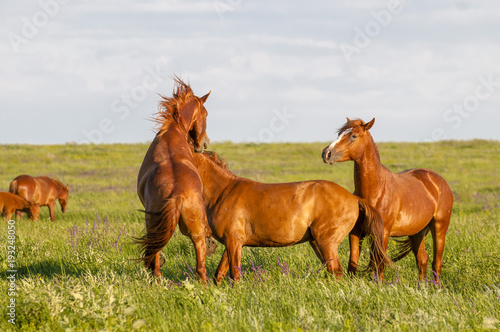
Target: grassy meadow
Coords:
[[78, 273]]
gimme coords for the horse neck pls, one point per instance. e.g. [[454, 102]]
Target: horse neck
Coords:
[[52, 185], [61, 189], [369, 174], [174, 140], [215, 180]]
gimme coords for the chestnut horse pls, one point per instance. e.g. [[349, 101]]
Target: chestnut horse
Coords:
[[41, 191], [242, 212], [168, 184], [11, 203], [411, 202]]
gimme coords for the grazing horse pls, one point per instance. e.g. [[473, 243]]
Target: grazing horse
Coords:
[[11, 203], [242, 212], [168, 184], [411, 202], [41, 191]]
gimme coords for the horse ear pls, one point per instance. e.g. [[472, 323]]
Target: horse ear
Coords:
[[369, 124], [67, 187], [348, 120], [205, 97]]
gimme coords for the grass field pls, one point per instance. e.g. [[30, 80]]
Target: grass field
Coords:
[[78, 273]]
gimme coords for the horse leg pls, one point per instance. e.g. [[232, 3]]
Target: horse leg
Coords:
[[317, 251], [332, 261], [438, 231], [36, 213], [156, 266], [222, 269], [418, 248], [234, 254], [381, 270], [200, 246], [51, 206], [193, 222], [328, 249], [152, 249], [355, 244], [7, 215]]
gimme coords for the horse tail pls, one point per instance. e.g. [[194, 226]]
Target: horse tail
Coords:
[[374, 226], [404, 248], [13, 186], [159, 229]]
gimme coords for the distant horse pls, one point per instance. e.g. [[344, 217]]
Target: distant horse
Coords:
[[242, 212], [41, 191], [411, 202], [11, 203], [168, 184]]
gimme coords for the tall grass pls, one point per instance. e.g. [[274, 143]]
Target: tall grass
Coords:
[[78, 273]]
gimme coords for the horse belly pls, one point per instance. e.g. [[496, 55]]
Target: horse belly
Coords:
[[279, 230], [412, 218], [282, 216], [417, 203]]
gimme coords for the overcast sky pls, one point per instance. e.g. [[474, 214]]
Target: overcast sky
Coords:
[[91, 71]]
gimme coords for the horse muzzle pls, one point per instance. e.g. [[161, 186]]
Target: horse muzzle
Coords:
[[203, 146], [329, 157]]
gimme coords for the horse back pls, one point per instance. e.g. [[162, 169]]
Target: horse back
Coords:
[[27, 187], [281, 214], [435, 185], [12, 201], [418, 196]]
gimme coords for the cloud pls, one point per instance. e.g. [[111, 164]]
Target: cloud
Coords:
[[257, 57]]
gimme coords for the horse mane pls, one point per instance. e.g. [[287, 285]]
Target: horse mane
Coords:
[[169, 107], [221, 163], [59, 184], [218, 160], [350, 124]]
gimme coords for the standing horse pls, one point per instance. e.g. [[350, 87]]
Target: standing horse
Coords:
[[242, 212], [41, 191], [411, 202], [11, 203], [168, 184]]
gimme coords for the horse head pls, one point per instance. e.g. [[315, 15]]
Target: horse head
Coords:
[[197, 128], [33, 211], [188, 112], [63, 198], [350, 142]]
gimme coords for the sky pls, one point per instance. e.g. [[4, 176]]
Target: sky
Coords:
[[278, 71]]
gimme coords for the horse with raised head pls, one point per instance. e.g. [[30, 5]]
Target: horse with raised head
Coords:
[[41, 191], [242, 212], [11, 203], [411, 203], [168, 184]]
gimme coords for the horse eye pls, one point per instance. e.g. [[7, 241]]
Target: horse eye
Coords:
[[354, 136]]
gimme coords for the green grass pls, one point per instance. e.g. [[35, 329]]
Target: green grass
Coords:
[[78, 273]]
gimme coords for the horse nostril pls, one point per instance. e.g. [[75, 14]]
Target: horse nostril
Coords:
[[328, 154]]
